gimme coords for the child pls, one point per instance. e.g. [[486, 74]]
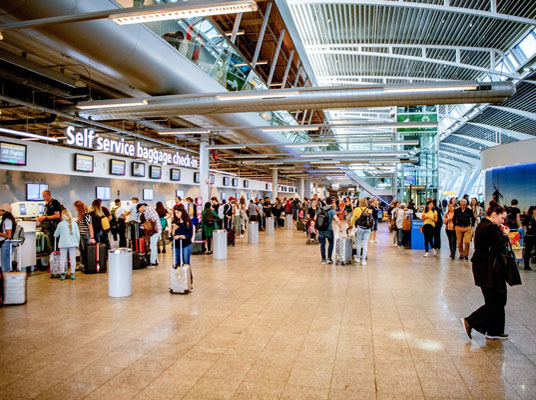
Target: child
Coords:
[[69, 236], [312, 232]]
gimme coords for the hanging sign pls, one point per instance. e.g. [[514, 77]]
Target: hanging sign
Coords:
[[88, 140]]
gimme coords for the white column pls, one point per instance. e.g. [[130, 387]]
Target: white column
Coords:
[[274, 183], [203, 171], [315, 189], [301, 189]]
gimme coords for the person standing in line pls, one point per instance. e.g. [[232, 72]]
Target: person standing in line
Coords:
[[438, 226], [491, 240], [395, 223], [277, 210], [85, 228], [7, 228], [133, 219], [362, 220], [464, 220], [326, 219], [429, 216], [237, 223], [530, 236], [208, 224], [221, 214], [50, 219], [260, 214], [266, 210], [374, 229], [69, 236], [178, 202], [243, 216], [119, 213], [150, 214], [183, 231], [401, 233], [449, 229], [514, 215], [252, 211], [162, 214]]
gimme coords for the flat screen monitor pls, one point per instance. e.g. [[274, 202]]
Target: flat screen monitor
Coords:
[[14, 154], [224, 196], [212, 179], [138, 169], [225, 181], [235, 182], [22, 209], [148, 194], [34, 191], [40, 209], [83, 163], [103, 193], [180, 193], [175, 174], [118, 167], [248, 195], [237, 196], [155, 172], [246, 183], [197, 177]]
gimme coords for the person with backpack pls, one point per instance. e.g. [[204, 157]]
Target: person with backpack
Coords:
[[162, 213], [363, 220], [69, 239], [513, 215], [7, 228], [325, 217], [209, 225]]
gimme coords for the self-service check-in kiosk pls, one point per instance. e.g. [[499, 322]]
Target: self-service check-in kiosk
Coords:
[[26, 213]]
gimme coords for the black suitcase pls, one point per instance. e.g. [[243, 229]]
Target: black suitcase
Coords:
[[139, 260], [96, 262]]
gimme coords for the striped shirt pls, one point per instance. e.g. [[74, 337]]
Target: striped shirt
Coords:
[[151, 214], [83, 224]]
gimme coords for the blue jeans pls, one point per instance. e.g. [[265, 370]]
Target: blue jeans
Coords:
[[323, 235], [6, 259], [362, 236], [186, 251]]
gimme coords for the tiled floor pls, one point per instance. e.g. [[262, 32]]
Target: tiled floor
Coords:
[[270, 322]]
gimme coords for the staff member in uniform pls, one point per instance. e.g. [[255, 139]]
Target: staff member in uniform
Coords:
[[50, 218], [7, 227]]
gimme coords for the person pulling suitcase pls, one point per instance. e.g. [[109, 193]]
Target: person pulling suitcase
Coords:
[[180, 275]]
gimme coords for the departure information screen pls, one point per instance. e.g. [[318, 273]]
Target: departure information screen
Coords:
[[12, 153]]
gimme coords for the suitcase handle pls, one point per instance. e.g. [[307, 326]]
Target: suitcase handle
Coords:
[[19, 254]]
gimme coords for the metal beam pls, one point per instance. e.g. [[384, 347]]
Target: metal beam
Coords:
[[487, 143], [261, 35], [470, 150], [470, 160], [276, 56], [415, 58], [521, 113], [359, 46], [360, 78], [236, 26], [298, 73], [456, 161], [287, 70], [515, 134], [424, 6]]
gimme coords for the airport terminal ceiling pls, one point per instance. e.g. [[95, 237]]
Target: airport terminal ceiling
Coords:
[[414, 48]]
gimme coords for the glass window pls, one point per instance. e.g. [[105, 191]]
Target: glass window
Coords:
[[528, 45]]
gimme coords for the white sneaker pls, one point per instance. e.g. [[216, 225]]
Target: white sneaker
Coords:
[[357, 259], [426, 254], [363, 263], [433, 252]]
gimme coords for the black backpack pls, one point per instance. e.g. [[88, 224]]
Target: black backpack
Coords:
[[209, 218], [322, 219], [365, 220]]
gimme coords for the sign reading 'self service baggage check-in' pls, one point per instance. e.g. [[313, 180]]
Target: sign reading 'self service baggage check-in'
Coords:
[[88, 140]]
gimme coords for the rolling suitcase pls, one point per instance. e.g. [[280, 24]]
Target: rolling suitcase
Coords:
[[343, 251], [180, 276], [15, 284], [140, 259], [96, 259], [198, 246], [55, 263], [231, 236]]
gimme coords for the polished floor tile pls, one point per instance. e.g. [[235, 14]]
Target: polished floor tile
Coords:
[[270, 322]]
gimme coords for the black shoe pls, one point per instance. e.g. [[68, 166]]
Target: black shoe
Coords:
[[466, 258], [163, 251], [502, 336], [158, 251], [461, 258], [527, 268], [467, 328]]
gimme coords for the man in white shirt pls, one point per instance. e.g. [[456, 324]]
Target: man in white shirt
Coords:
[[118, 212], [132, 219]]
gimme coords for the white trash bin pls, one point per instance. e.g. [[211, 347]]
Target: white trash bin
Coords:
[[270, 225], [253, 232], [219, 243], [120, 272], [289, 223]]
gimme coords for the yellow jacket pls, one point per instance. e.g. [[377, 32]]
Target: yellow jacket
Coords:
[[357, 213]]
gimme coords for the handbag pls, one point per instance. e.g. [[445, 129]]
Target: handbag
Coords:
[[149, 227], [511, 272], [406, 223], [105, 223]]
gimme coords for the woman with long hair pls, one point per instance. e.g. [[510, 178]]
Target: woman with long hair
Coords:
[[429, 216], [491, 240], [208, 224], [162, 214], [101, 228], [7, 228], [69, 236], [85, 227], [477, 210], [182, 231], [449, 229], [375, 208], [243, 215]]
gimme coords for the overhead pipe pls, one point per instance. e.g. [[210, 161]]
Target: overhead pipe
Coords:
[[28, 121], [429, 93]]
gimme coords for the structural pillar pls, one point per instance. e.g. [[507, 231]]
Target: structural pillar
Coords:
[[275, 174], [301, 189], [204, 162]]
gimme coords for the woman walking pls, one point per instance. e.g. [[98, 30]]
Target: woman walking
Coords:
[[491, 239], [208, 224], [374, 207], [430, 218], [449, 229], [69, 235], [182, 231]]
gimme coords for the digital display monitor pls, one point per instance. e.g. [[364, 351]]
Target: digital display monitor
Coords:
[[83, 163], [40, 209], [175, 174], [197, 177], [248, 195], [267, 186], [103, 193], [225, 181], [246, 183], [180, 193], [155, 172], [14, 154], [148, 194], [138, 169], [118, 167], [34, 191], [235, 182], [224, 196], [22, 209], [212, 179]]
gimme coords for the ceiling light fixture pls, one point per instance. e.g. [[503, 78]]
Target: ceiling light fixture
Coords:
[[187, 131], [90, 105], [28, 135], [191, 9], [325, 162], [259, 96], [290, 128], [226, 147], [307, 144]]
